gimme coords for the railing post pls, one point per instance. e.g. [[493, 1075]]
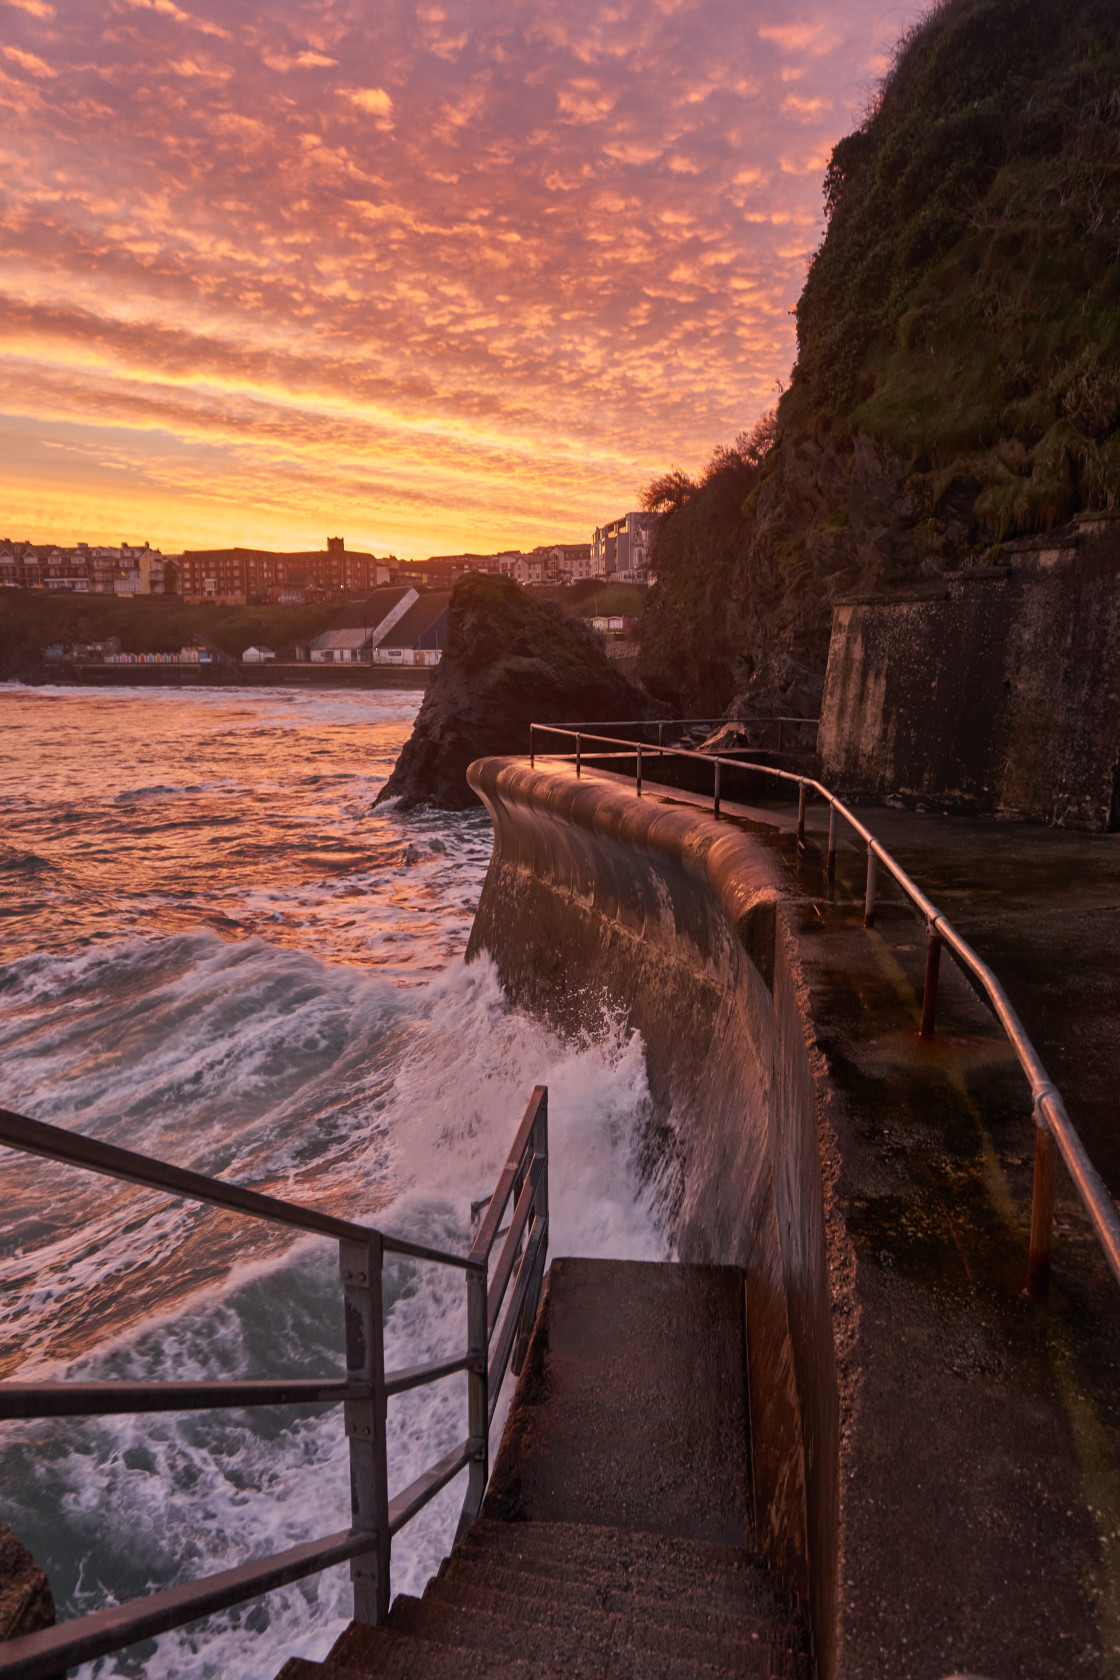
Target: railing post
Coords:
[[661, 734], [715, 793], [929, 992], [540, 1217], [540, 1147], [1042, 1206], [801, 793], [781, 733], [831, 865], [478, 1399], [577, 752], [360, 1268], [638, 769], [869, 897], [532, 753]]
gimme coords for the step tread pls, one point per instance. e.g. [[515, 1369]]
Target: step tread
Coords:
[[596, 1539], [465, 1577], [730, 1587], [389, 1654], [656, 1628], [581, 1650]]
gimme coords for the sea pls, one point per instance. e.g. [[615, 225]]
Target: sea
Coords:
[[217, 951]]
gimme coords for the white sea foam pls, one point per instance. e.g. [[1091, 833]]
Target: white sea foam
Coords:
[[328, 1044], [195, 1494]]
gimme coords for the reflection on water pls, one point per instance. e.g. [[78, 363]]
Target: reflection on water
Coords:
[[217, 952]]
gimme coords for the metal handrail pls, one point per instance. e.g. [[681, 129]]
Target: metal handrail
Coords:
[[55, 1143], [1054, 1130], [363, 1392], [675, 723], [661, 724]]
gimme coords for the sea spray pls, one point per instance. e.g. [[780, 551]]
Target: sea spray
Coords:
[[386, 1086], [149, 1501]]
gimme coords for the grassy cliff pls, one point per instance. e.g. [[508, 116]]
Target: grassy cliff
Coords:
[[958, 371]]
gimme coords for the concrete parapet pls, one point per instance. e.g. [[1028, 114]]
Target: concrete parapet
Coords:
[[593, 895], [936, 1461]]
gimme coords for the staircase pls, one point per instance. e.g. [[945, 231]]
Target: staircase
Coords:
[[615, 1542]]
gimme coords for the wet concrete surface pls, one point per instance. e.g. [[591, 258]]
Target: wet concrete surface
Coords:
[[632, 1409], [1041, 906], [1023, 1397], [999, 1550]]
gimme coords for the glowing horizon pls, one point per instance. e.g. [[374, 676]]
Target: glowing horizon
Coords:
[[455, 278]]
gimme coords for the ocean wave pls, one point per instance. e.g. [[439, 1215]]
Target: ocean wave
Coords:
[[13, 862], [415, 1136], [327, 1044]]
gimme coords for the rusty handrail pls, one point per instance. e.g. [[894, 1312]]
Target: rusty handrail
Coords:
[[661, 724], [1054, 1130], [363, 1392]]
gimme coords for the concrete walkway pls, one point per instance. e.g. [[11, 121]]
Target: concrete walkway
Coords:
[[1040, 905]]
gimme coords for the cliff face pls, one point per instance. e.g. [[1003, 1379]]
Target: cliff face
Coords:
[[747, 571], [958, 373]]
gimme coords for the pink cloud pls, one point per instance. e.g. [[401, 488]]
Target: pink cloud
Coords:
[[536, 233]]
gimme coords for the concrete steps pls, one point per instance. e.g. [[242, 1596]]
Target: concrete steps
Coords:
[[604, 1604], [614, 1542]]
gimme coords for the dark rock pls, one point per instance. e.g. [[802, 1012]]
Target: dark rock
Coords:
[[509, 661], [26, 1604]]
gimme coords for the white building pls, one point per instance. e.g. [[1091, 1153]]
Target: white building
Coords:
[[621, 549], [353, 643], [418, 638]]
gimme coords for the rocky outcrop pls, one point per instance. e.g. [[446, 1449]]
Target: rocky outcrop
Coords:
[[26, 1604], [509, 661]]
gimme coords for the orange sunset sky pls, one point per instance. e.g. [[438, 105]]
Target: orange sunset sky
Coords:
[[435, 276]]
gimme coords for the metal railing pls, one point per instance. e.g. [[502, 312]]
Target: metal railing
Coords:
[[683, 725], [1054, 1130], [492, 1341]]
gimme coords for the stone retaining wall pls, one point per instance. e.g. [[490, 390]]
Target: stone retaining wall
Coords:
[[993, 690]]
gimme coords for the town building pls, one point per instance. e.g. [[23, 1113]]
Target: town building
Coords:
[[621, 549], [128, 569], [257, 656], [418, 638], [357, 631], [529, 568], [86, 570], [442, 571], [565, 562], [236, 576]]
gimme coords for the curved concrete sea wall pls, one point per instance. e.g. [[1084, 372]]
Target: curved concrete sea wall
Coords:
[[595, 897]]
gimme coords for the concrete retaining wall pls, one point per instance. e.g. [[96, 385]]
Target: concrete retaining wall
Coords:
[[594, 895], [994, 690]]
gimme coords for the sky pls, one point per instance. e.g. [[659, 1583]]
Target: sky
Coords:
[[439, 276]]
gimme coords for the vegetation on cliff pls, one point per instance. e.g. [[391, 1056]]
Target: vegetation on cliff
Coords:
[[965, 305], [958, 371]]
